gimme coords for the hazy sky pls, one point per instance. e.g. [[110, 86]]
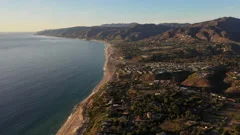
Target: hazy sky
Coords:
[[34, 15]]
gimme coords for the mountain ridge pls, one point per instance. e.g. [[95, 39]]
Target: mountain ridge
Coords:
[[223, 30], [132, 33], [226, 29]]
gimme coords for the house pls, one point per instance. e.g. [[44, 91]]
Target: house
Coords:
[[126, 113], [110, 102], [150, 84], [139, 72], [116, 105], [107, 123], [231, 100], [214, 95], [138, 118], [149, 115], [183, 88], [156, 81], [162, 133]]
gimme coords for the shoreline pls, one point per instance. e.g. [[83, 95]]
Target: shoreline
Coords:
[[77, 120]]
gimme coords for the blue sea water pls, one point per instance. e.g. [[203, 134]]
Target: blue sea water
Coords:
[[42, 79]]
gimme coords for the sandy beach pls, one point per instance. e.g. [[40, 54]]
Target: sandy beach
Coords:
[[77, 120]]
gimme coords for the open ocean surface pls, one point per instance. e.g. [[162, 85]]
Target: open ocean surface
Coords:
[[42, 79]]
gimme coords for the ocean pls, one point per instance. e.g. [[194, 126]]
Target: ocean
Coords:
[[42, 79]]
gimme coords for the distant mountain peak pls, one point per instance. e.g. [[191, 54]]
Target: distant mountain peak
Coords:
[[118, 25], [227, 18]]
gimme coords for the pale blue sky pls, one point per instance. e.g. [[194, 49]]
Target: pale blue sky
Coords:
[[34, 15]]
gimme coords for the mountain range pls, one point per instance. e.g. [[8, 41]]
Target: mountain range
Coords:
[[224, 30], [126, 32]]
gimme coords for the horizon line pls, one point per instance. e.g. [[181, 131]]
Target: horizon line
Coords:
[[115, 23]]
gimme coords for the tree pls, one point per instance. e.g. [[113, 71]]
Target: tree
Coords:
[[225, 132], [188, 113], [175, 109], [154, 129], [165, 100], [236, 127], [144, 130]]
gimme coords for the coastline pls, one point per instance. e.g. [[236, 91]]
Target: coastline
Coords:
[[78, 120]]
